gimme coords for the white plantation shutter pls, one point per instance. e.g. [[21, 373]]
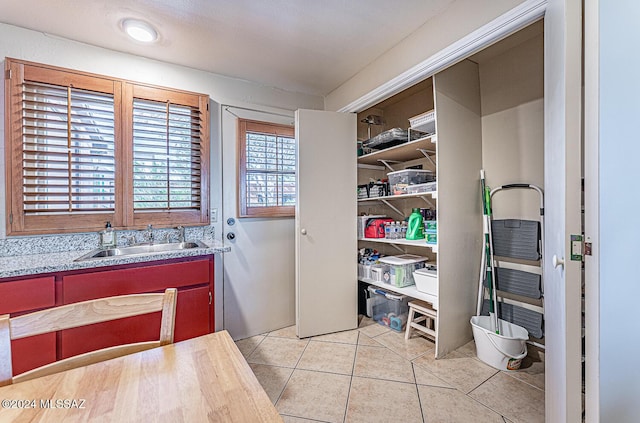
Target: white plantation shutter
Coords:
[[166, 156], [68, 160]]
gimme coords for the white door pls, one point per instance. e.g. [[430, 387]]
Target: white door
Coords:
[[326, 210], [562, 158], [258, 288]]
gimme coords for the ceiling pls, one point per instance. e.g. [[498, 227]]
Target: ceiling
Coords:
[[305, 46]]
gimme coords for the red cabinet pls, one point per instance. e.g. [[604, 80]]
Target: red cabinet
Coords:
[[194, 310], [19, 297]]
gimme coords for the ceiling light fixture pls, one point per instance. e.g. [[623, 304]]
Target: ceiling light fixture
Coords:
[[139, 30]]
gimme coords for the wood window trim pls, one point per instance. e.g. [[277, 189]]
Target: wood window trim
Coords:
[[17, 223], [139, 219], [244, 126]]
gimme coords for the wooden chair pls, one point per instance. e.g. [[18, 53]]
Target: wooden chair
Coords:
[[81, 314]]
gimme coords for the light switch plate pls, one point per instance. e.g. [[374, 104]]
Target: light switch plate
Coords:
[[214, 215]]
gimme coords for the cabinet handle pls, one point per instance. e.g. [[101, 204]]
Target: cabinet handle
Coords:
[[210, 298], [303, 231]]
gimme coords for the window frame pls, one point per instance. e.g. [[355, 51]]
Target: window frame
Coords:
[[142, 218], [123, 216], [248, 125]]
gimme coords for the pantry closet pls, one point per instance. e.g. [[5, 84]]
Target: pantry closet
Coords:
[[488, 114]]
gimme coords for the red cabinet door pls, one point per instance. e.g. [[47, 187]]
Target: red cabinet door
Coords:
[[192, 319], [193, 311], [18, 297]]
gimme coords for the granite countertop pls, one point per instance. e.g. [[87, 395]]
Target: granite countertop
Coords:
[[34, 264]]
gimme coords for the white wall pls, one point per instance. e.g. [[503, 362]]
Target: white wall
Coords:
[[619, 203], [512, 90], [35, 46], [459, 19]]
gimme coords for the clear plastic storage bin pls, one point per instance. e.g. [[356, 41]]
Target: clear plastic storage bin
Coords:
[[417, 189], [398, 270], [387, 308], [400, 180]]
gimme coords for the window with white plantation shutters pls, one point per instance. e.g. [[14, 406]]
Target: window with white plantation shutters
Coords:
[[166, 156], [267, 169], [68, 159]]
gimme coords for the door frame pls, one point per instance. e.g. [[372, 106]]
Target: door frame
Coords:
[[517, 18], [223, 294], [591, 207]]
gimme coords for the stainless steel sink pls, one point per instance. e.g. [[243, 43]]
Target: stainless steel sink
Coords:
[[145, 248]]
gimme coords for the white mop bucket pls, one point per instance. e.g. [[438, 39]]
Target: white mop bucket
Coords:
[[504, 351]]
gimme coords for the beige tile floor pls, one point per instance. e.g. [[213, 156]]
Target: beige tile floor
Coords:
[[371, 374]]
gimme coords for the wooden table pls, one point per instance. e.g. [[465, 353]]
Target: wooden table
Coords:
[[197, 380]]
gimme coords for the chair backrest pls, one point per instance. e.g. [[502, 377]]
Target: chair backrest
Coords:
[[82, 314]]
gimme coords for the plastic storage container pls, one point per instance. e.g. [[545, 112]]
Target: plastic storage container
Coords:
[[387, 308], [427, 280], [400, 180], [370, 271], [425, 122], [417, 189], [398, 270]]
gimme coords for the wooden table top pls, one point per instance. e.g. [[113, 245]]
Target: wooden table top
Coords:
[[197, 380]]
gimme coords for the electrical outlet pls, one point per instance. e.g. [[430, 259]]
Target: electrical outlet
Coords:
[[214, 215]]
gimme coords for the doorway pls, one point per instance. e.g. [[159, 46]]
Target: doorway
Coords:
[[258, 276]]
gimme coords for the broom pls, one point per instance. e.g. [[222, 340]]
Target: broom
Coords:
[[488, 252]]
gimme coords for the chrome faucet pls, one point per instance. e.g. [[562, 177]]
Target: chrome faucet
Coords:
[[148, 234], [180, 230], [130, 239]]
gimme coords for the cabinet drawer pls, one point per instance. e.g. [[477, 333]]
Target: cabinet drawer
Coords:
[[88, 286], [27, 294], [18, 297], [192, 319]]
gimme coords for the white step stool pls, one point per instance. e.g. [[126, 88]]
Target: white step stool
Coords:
[[427, 315]]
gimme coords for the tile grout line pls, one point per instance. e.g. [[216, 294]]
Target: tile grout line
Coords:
[[482, 383], [353, 369], [305, 418], [397, 353], [294, 369], [520, 380], [256, 347], [413, 369], [468, 395]]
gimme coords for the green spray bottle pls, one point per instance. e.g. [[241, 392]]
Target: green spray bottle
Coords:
[[415, 227]]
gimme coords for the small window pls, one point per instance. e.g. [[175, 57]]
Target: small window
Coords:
[[267, 169]]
